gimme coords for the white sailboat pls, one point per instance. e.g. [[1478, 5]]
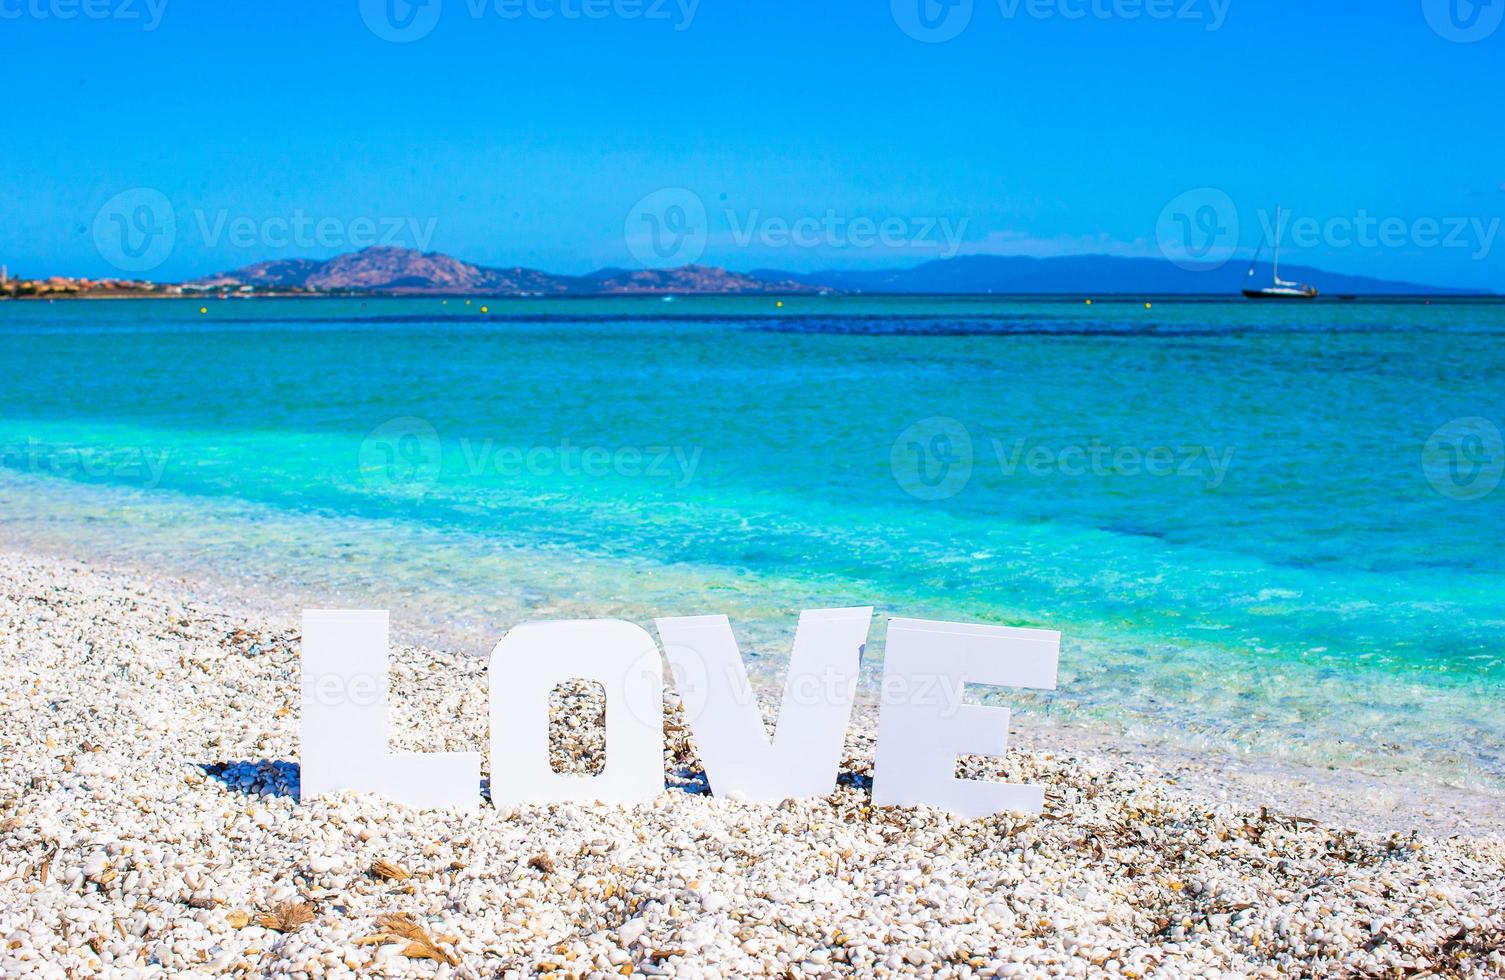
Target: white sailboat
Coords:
[[1280, 288]]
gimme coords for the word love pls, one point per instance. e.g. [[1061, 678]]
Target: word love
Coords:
[[924, 725]]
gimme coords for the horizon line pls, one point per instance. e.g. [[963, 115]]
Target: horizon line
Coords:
[[763, 271]]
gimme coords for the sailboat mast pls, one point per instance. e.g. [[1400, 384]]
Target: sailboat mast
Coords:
[[1277, 243], [1278, 288]]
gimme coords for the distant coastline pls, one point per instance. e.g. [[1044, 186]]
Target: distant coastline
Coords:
[[398, 272], [1105, 299]]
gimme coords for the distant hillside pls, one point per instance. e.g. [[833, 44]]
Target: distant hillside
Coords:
[[406, 271], [278, 274], [1087, 274], [693, 279], [389, 270]]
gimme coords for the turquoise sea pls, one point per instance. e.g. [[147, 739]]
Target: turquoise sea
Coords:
[[1270, 527]]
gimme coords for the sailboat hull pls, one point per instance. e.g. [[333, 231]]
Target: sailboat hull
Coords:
[[1276, 293], [1280, 288]]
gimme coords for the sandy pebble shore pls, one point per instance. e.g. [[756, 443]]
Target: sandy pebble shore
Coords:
[[149, 825]]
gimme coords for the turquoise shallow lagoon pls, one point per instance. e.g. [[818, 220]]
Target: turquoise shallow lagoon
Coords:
[[1273, 527]]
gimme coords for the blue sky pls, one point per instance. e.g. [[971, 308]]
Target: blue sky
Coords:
[[811, 134]]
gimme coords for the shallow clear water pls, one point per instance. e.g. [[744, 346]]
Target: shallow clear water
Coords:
[[1232, 510]]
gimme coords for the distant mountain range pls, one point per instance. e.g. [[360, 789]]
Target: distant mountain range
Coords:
[[1095, 274], [406, 271]]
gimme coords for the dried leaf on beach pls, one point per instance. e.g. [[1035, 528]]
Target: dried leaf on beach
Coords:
[[46, 867], [399, 927], [286, 916], [389, 870]]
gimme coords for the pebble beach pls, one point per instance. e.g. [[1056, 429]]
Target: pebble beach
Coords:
[[150, 826]]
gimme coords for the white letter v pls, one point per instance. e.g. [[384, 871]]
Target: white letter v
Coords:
[[722, 711]]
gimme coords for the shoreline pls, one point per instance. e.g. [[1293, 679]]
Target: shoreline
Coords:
[[147, 795], [258, 558], [1355, 797], [1067, 298]]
